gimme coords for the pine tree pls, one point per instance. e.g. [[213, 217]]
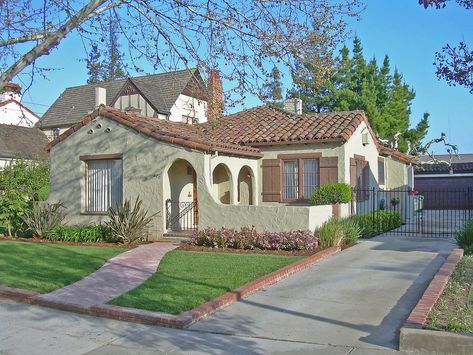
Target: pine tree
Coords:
[[361, 85], [272, 90], [94, 65], [111, 67], [114, 65]]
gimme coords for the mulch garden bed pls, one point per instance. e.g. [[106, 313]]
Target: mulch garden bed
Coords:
[[253, 251]]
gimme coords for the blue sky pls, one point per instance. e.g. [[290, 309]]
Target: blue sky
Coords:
[[405, 31]]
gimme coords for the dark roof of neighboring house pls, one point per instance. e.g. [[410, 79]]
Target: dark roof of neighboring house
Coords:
[[183, 134], [460, 158], [463, 163], [268, 125], [22, 141], [160, 90]]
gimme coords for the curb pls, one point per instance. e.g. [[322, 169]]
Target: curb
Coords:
[[182, 320], [17, 294], [421, 311], [412, 336]]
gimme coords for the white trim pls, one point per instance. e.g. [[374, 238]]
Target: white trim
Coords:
[[418, 176]]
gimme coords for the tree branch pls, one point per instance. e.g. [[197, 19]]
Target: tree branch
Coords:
[[52, 39]]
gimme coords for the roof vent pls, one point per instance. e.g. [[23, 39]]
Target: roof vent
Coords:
[[293, 105]]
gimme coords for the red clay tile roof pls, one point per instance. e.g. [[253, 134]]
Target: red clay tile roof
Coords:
[[266, 125], [178, 133], [405, 158]]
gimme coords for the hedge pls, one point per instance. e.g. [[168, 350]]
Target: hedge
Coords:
[[81, 234], [372, 224], [329, 194]]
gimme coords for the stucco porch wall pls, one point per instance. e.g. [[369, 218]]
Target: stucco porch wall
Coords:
[[146, 163], [265, 218]]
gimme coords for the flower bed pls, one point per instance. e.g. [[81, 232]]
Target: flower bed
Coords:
[[250, 239]]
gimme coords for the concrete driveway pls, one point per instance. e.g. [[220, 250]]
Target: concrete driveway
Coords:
[[352, 303], [358, 298]]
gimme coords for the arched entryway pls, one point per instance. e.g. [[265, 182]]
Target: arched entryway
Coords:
[[245, 186], [182, 212], [222, 183]]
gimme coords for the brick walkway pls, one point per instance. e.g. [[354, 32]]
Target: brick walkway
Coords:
[[117, 276]]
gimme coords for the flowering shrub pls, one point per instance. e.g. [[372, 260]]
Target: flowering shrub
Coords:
[[249, 238]]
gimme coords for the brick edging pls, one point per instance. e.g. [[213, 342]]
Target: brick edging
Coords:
[[420, 313], [16, 294], [184, 319]]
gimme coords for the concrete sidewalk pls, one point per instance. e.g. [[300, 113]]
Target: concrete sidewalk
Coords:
[[120, 274], [357, 298]]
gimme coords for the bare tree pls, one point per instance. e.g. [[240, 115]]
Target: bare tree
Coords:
[[239, 37], [454, 63], [432, 159]]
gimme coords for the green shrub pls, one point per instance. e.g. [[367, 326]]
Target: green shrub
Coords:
[[19, 185], [464, 237], [43, 193], [129, 224], [329, 194], [374, 223], [44, 216], [80, 234], [351, 230], [331, 233]]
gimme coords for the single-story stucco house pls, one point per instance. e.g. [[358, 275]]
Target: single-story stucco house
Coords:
[[256, 167]]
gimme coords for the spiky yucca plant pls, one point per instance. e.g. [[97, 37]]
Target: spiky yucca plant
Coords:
[[43, 217], [129, 224]]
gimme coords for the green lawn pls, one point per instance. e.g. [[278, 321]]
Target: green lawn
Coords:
[[454, 309], [46, 267], [186, 279]]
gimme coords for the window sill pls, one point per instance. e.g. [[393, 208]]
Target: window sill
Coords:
[[93, 213]]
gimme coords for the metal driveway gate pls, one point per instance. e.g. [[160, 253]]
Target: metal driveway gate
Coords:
[[427, 213]]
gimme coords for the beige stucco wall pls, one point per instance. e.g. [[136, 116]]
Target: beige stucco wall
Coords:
[[396, 174], [146, 163], [272, 152], [369, 151]]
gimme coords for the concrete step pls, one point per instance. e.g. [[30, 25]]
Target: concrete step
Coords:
[[177, 236]]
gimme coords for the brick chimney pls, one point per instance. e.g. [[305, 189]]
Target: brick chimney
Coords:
[[215, 97]]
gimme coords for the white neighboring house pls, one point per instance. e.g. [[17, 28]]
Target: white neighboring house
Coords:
[[179, 96], [21, 142], [12, 111]]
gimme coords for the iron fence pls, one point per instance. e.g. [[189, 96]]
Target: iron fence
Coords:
[[429, 213]]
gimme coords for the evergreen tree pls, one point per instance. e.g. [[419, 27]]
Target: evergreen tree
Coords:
[[361, 85], [272, 89], [94, 65], [111, 67]]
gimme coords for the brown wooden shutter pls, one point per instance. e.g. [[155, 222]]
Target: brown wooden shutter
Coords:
[[366, 175], [328, 170], [353, 172], [271, 180]]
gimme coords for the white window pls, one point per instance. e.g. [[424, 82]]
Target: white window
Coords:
[[104, 184]]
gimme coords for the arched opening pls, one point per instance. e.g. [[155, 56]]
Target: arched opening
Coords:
[[245, 186], [181, 205], [222, 183]]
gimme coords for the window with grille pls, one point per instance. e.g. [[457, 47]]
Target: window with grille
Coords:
[[381, 172], [104, 184], [300, 177], [290, 180]]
